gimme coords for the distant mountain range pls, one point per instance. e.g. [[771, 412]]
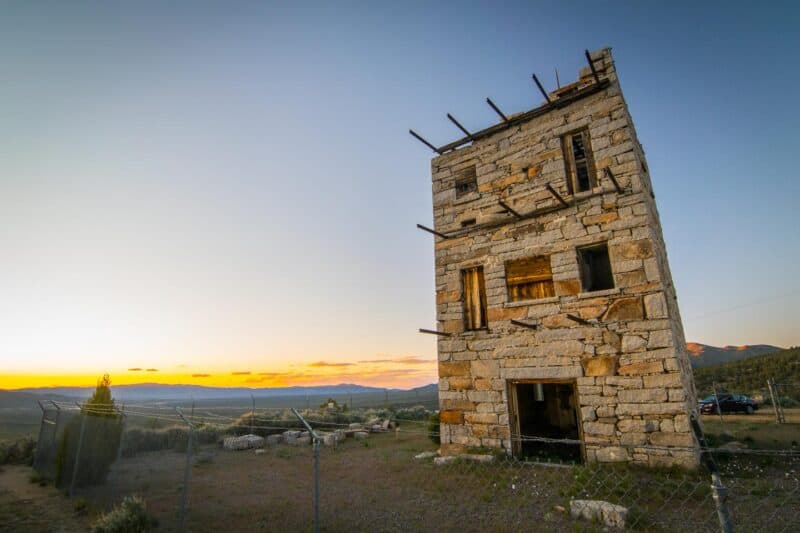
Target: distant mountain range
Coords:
[[702, 355], [156, 391], [705, 355]]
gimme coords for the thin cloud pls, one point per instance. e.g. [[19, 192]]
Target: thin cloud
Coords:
[[134, 370], [409, 360], [201, 375], [151, 370], [242, 373], [320, 364]]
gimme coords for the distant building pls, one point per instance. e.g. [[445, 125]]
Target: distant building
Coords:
[[554, 287]]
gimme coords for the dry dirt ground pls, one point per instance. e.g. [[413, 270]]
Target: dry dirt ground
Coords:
[[27, 506], [377, 486]]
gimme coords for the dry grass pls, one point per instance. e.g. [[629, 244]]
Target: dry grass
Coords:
[[377, 486], [758, 430]]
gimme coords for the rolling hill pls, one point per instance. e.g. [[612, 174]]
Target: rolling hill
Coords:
[[749, 376], [704, 355]]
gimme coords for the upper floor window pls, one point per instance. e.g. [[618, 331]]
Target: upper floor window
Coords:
[[595, 268], [529, 279], [466, 181], [578, 160], [474, 298]]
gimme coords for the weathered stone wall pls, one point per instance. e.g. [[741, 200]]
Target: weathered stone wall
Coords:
[[634, 383]]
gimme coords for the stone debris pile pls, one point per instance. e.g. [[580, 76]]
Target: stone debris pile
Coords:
[[296, 437], [244, 442]]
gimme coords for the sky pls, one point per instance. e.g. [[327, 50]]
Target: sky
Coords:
[[226, 193]]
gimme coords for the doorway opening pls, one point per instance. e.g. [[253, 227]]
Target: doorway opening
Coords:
[[548, 410]]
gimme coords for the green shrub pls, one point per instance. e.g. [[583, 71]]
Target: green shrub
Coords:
[[101, 434], [434, 428], [18, 452], [128, 517]]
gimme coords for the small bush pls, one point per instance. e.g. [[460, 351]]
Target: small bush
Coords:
[[128, 517], [18, 452], [433, 428]]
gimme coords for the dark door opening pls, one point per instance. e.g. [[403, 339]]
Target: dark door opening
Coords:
[[546, 410]]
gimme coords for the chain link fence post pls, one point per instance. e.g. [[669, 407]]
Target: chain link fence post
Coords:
[[316, 440], [186, 472], [37, 457], [719, 492], [76, 463]]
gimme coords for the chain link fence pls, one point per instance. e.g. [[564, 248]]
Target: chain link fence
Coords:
[[245, 469]]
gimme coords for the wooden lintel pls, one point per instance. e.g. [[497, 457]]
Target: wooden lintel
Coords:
[[509, 209], [434, 332], [459, 126], [541, 89], [579, 320], [432, 231], [556, 195], [497, 109], [613, 179], [591, 66], [423, 141]]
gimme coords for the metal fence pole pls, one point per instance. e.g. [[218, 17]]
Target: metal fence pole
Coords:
[[38, 454], [316, 439], [76, 464], [719, 492], [123, 419], [186, 471], [716, 399]]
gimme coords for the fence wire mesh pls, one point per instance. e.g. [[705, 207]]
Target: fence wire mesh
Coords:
[[379, 471]]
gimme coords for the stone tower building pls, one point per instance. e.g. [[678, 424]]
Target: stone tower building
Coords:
[[553, 290]]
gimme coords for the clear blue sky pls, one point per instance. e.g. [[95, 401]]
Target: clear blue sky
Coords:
[[232, 183]]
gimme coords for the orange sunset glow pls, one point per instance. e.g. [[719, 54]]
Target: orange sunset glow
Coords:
[[401, 372]]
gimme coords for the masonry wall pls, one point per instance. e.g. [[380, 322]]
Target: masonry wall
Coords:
[[634, 382]]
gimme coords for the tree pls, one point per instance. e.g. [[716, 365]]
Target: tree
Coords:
[[96, 431], [101, 403]]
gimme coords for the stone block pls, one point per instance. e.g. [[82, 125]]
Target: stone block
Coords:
[[660, 438], [485, 368], [602, 218], [457, 404], [638, 369], [451, 417], [641, 409], [641, 249], [672, 379], [481, 418], [605, 411], [567, 287], [612, 454], [598, 511], [655, 305], [454, 369], [597, 428], [460, 383], [624, 309], [600, 366], [642, 395], [633, 343], [494, 314], [630, 425], [660, 339]]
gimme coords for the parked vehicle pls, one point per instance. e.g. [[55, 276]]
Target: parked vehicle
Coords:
[[728, 403]]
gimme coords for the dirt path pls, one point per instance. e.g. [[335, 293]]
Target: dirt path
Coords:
[[26, 506]]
